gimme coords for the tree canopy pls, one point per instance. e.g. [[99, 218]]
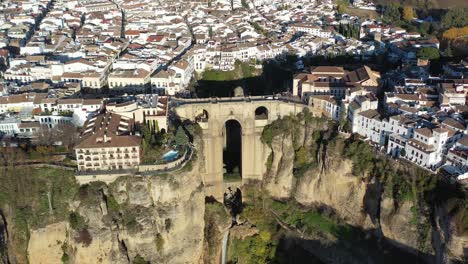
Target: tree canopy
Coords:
[[181, 137], [454, 33], [456, 17], [408, 13], [428, 53], [392, 13]]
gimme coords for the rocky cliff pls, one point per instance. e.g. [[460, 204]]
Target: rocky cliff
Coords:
[[158, 218], [165, 218], [392, 200]]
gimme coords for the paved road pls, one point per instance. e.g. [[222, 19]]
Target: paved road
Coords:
[[181, 101]]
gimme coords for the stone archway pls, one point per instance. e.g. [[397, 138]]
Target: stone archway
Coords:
[[261, 113], [232, 150]]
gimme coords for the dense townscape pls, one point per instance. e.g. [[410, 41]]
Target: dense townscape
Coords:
[[233, 131], [111, 69]]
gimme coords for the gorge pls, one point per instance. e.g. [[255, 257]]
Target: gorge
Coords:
[[324, 197]]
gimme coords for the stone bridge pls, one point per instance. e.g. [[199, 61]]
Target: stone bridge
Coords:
[[252, 114]]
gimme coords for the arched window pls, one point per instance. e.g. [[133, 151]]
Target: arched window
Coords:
[[261, 113]]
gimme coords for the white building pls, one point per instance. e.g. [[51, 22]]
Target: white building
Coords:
[[9, 126], [457, 156], [425, 148], [368, 124]]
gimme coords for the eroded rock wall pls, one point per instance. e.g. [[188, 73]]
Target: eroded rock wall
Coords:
[[360, 200], [162, 221]]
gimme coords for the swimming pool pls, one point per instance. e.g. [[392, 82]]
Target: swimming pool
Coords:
[[171, 155]]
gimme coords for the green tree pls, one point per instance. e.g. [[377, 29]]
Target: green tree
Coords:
[[455, 17], [181, 137], [424, 28], [428, 53], [146, 131], [402, 152], [392, 13], [210, 31]]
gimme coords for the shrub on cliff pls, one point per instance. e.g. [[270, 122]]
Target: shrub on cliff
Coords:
[[256, 249], [362, 156], [77, 222], [139, 260]]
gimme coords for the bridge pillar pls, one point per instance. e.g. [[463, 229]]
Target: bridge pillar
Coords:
[[252, 154], [213, 142]]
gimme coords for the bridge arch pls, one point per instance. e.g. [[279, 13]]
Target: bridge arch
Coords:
[[261, 113], [247, 113], [232, 149]]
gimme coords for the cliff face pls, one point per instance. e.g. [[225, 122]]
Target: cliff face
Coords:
[[363, 201], [168, 224], [282, 181], [164, 218]]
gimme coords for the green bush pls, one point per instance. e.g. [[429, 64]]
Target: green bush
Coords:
[[159, 242], [255, 249], [455, 17], [428, 53], [181, 138], [65, 257], [362, 156], [268, 163], [301, 157], [139, 260], [77, 222], [112, 205]]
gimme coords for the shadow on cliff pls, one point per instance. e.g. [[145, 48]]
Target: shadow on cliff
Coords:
[[293, 249], [352, 245]]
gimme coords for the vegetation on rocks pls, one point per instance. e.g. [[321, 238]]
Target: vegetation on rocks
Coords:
[[398, 180], [139, 260], [216, 218], [33, 198], [261, 247]]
